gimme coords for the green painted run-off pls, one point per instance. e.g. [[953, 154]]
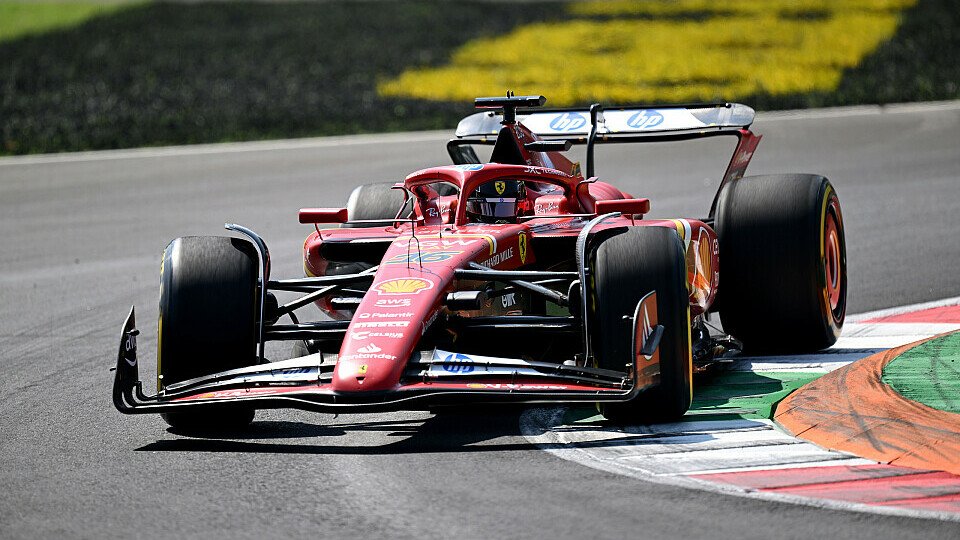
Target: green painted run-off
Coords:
[[740, 394], [929, 373], [747, 394]]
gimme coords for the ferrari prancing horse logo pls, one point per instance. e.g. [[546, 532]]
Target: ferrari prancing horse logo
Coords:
[[500, 186], [522, 244]]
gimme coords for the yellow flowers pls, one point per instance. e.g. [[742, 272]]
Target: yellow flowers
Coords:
[[665, 51]]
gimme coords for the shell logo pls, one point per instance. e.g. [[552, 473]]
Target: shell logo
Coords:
[[403, 286]]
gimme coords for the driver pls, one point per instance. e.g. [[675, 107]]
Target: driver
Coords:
[[498, 201]]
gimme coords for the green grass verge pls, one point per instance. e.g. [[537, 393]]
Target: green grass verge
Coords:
[[21, 17], [160, 73]]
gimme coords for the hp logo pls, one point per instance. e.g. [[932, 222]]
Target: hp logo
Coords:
[[457, 363], [645, 119], [568, 122]]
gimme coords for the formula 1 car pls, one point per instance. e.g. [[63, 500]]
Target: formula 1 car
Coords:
[[517, 280]]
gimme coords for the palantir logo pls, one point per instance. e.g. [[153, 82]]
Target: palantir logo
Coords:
[[645, 119], [568, 122]]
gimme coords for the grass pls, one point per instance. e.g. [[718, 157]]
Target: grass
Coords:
[[159, 73], [20, 18]]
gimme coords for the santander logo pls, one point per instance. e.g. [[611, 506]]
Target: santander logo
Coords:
[[371, 348]]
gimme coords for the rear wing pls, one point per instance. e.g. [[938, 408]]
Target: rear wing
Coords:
[[594, 125], [629, 123]]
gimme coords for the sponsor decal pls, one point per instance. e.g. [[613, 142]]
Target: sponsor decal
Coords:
[[457, 363], [367, 356], [364, 334], [507, 386], [469, 167], [293, 373], [238, 392], [647, 328], [385, 315], [545, 207], [645, 119], [452, 240], [130, 349], [393, 303], [403, 286], [362, 370], [427, 324], [439, 245], [743, 158], [533, 170], [500, 186], [645, 323], [701, 274], [433, 212], [568, 122], [522, 245], [422, 257], [371, 348], [498, 258], [382, 324], [508, 300]]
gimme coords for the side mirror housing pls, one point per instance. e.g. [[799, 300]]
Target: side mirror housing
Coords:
[[627, 207], [323, 215]]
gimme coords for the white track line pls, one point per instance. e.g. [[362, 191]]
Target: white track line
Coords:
[[538, 426], [672, 453], [421, 136], [229, 148], [955, 301]]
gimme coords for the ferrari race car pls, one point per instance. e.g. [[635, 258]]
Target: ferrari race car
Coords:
[[517, 280]]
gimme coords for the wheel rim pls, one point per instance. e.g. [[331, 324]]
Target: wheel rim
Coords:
[[832, 263]]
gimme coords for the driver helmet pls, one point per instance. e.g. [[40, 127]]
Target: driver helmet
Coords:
[[498, 201]]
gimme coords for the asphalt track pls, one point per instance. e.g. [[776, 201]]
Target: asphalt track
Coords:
[[81, 241]]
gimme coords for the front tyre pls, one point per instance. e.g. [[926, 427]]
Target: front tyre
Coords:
[[207, 324], [627, 267], [783, 266]]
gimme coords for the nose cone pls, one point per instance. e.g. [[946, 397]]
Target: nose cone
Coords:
[[367, 371], [386, 328]]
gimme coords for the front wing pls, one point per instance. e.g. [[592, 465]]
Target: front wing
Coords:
[[305, 383]]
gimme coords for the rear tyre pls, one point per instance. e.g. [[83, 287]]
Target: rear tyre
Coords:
[[207, 322], [627, 267], [373, 201], [783, 271]]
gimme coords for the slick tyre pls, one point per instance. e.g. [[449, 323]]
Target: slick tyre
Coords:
[[783, 267], [373, 201], [207, 321], [627, 267]]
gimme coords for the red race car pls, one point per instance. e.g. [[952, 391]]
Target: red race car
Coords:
[[516, 280]]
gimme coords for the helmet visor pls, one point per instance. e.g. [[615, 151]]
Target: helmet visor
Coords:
[[496, 207]]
